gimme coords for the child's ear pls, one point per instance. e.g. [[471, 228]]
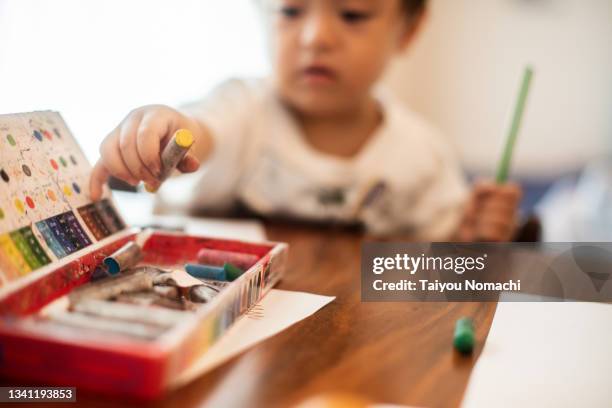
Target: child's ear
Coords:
[[412, 28]]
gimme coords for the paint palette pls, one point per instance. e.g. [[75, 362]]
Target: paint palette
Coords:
[[53, 239], [45, 210]]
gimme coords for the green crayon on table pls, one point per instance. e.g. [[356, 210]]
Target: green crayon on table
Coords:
[[504, 164], [464, 338]]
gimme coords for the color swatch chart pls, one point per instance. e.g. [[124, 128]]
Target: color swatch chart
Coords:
[[45, 209]]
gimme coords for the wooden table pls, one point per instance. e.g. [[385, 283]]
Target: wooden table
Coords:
[[386, 352]]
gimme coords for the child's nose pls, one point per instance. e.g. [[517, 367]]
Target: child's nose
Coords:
[[319, 33]]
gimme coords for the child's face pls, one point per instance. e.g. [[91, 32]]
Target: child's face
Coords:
[[327, 54]]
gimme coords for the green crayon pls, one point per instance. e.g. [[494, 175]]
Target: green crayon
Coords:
[[464, 338], [504, 164]]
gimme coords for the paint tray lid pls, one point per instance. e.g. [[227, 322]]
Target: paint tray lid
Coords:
[[46, 213]]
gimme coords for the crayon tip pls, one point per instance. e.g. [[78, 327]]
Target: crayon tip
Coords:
[[112, 266], [150, 189], [232, 272], [183, 138], [464, 337]]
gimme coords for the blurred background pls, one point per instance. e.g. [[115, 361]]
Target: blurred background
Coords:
[[94, 61]]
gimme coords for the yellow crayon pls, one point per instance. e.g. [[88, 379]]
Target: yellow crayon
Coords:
[[173, 153]]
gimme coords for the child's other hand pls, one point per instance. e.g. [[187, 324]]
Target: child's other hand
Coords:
[[131, 152], [491, 213]]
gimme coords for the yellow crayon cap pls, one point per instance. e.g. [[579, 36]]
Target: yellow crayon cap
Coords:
[[183, 138], [150, 188]]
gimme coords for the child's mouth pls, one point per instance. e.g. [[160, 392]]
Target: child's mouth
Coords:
[[319, 74]]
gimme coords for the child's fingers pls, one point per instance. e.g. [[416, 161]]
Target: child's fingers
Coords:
[[189, 164], [510, 191], [153, 128], [483, 187], [497, 205], [492, 232], [129, 150], [496, 220], [495, 226], [502, 198], [99, 176], [113, 160]]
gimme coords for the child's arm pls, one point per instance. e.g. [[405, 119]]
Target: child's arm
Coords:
[[491, 213], [131, 152]]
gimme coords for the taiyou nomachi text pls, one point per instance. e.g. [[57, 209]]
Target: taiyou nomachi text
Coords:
[[426, 285]]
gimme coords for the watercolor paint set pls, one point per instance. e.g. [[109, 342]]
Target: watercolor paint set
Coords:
[[86, 301]]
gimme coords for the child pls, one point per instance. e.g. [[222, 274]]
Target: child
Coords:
[[317, 140]]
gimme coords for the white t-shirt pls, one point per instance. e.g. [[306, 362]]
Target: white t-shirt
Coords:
[[405, 179]]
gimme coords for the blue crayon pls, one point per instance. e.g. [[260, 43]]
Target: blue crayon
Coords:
[[227, 272], [205, 271], [125, 258]]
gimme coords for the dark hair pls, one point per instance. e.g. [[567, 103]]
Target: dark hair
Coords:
[[413, 7]]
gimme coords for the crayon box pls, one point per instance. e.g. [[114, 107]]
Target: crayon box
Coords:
[[53, 240]]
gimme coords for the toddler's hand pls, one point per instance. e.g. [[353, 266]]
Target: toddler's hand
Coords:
[[491, 214], [131, 152]]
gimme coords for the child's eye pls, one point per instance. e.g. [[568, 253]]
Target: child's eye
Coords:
[[290, 11], [353, 16]]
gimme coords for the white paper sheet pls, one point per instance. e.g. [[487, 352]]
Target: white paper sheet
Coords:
[[137, 210], [243, 230], [545, 354], [278, 310]]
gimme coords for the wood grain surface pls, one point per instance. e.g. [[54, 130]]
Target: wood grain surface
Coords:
[[386, 352]]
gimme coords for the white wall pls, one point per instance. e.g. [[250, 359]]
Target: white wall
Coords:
[[463, 73], [94, 61]]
